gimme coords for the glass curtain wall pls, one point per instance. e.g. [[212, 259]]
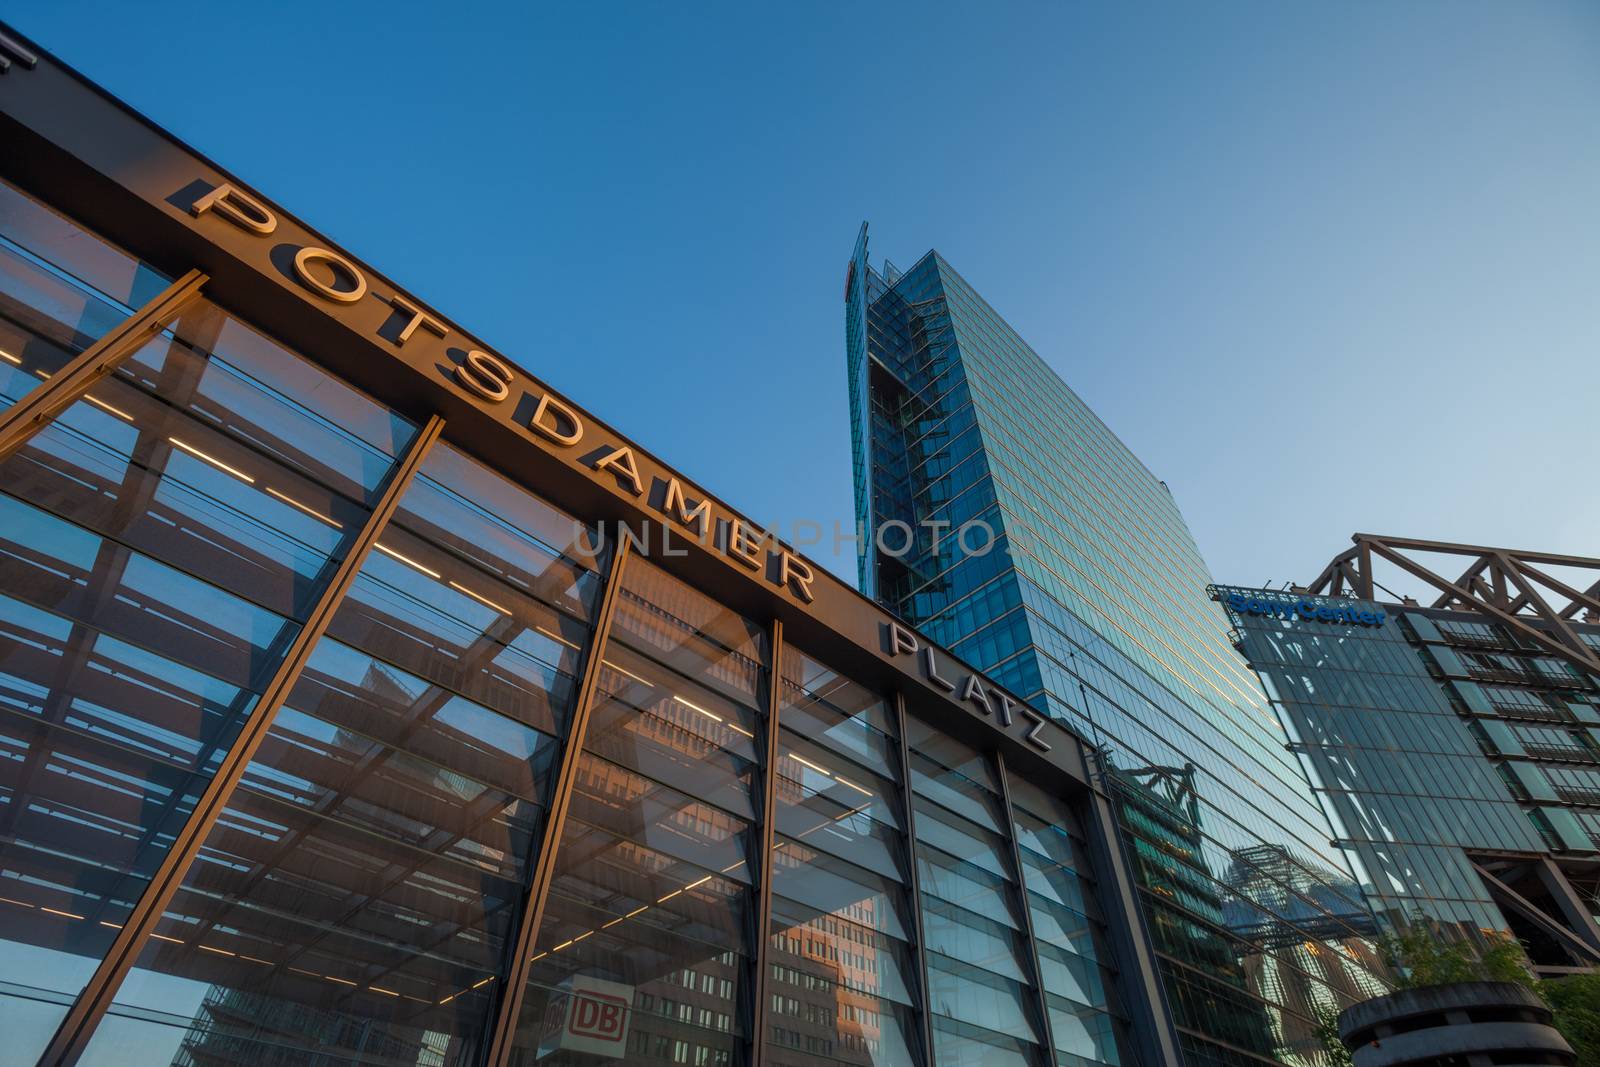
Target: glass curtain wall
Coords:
[[1078, 586], [653, 901]]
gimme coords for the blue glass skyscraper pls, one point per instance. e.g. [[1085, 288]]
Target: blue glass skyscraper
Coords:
[[1006, 520]]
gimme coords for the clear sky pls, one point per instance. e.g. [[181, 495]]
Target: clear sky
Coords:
[[1324, 268]]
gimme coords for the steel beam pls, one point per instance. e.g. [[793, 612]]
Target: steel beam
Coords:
[[1036, 970], [909, 814], [769, 829], [66, 386], [72, 1036], [514, 989], [1582, 658]]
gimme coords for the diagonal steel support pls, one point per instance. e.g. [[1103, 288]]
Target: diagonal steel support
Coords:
[[769, 831], [66, 386], [73, 1035], [513, 990]]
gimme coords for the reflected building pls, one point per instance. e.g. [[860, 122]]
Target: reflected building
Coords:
[[1002, 517], [1454, 743]]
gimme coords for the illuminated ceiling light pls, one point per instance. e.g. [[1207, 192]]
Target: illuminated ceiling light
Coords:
[[484, 982], [9, 358], [560, 639], [637, 911], [485, 601], [341, 981], [218, 951], [407, 560], [741, 729], [385, 992], [313, 512], [118, 412], [701, 882], [63, 914], [842, 780], [613, 666], [214, 461], [669, 896], [808, 763], [164, 937], [697, 707]]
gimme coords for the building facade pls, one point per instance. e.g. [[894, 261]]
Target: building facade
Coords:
[[1455, 744], [1006, 520], [364, 701]]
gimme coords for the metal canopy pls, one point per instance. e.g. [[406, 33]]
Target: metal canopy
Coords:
[[1513, 587]]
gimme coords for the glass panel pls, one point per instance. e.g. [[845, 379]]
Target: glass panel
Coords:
[[644, 952], [122, 684], [1068, 939], [842, 976], [984, 1007], [356, 898], [61, 289], [155, 579]]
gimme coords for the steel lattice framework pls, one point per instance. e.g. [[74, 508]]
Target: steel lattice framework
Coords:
[[1512, 587]]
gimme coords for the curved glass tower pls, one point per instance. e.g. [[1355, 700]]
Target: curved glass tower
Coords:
[[1006, 520]]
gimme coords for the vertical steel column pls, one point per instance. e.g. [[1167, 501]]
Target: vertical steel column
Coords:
[[1027, 910], [73, 1035], [66, 386], [769, 819], [514, 988], [1141, 992], [909, 816]]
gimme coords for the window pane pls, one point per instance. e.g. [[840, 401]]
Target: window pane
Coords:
[[644, 952], [357, 896], [61, 289]]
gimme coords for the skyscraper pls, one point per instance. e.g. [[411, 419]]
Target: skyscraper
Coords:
[[1006, 520]]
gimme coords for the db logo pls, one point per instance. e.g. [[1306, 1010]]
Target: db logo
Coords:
[[589, 1015], [597, 1015]]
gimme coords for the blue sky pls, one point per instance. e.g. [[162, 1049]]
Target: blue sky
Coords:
[[1323, 268]]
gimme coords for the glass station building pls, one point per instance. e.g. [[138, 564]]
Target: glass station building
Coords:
[[1019, 530], [362, 702]]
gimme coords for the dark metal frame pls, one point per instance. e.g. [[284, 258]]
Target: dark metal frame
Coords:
[[1506, 584], [77, 1028], [1036, 970], [908, 797], [769, 831], [67, 385]]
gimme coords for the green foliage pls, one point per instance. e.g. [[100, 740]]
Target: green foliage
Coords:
[[1576, 1003], [1327, 1032], [1421, 957]]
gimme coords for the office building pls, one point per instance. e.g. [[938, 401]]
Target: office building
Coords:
[[1453, 734], [1007, 521], [364, 701]]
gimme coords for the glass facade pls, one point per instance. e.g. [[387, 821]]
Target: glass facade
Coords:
[[1441, 745], [1003, 518], [499, 734]]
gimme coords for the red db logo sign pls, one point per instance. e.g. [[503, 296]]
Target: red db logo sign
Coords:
[[597, 1015], [587, 1015]]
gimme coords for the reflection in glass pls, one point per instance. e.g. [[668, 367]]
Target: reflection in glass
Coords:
[[152, 585], [357, 896], [644, 953], [61, 289], [842, 982]]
